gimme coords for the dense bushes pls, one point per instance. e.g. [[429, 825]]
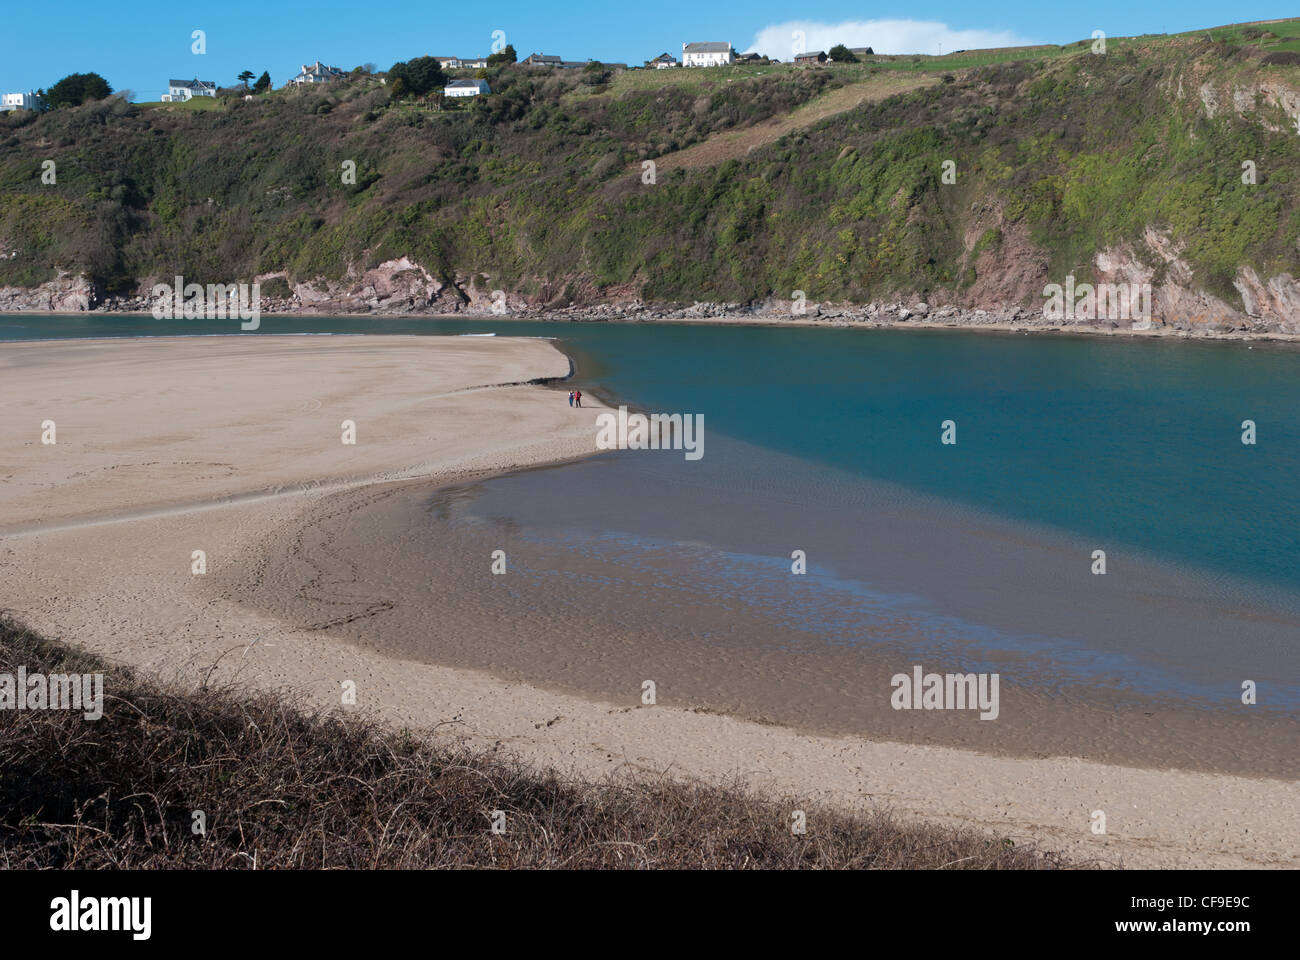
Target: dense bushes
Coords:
[[541, 179]]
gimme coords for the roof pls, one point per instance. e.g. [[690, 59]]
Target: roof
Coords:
[[709, 46], [467, 83], [318, 68], [809, 54], [194, 84]]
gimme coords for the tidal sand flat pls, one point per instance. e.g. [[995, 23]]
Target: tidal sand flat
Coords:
[[104, 428], [623, 569], [317, 551]]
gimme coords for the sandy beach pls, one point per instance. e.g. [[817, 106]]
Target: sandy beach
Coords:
[[234, 446]]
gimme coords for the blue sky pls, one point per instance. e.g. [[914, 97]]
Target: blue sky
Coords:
[[139, 47]]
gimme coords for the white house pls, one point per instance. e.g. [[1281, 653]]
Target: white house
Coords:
[[707, 54], [20, 101], [662, 62], [462, 63], [317, 73], [178, 91], [466, 88]]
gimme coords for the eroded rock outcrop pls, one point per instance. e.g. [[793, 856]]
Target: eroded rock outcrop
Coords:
[[66, 293]]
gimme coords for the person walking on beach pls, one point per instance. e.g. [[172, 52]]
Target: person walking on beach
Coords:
[[577, 398], [570, 398]]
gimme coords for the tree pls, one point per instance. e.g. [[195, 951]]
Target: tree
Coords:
[[841, 54], [263, 83], [76, 89], [594, 73], [418, 77], [245, 77], [507, 55]]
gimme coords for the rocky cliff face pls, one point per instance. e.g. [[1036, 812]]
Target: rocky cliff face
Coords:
[[65, 294], [1008, 294], [1267, 306]]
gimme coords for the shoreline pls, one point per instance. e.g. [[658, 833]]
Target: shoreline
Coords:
[[1024, 327], [553, 627], [125, 589]]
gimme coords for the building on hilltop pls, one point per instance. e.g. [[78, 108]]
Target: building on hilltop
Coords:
[[811, 56], [466, 88], [317, 73], [663, 62], [550, 60], [178, 91], [30, 100], [707, 54], [462, 63]]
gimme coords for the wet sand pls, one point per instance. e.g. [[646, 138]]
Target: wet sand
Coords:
[[402, 571]]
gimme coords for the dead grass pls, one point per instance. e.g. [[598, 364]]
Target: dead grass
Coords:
[[735, 144], [282, 788]]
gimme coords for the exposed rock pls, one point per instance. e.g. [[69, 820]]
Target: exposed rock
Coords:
[[65, 293]]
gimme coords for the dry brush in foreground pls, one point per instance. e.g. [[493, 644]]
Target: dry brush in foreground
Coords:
[[282, 787]]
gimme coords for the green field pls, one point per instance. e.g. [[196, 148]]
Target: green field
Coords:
[[194, 103]]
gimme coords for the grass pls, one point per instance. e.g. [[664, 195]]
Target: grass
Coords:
[[283, 788], [194, 104]]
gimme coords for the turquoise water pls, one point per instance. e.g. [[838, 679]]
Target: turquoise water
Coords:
[[1118, 442]]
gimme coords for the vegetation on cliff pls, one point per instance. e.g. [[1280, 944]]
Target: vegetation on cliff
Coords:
[[1057, 153]]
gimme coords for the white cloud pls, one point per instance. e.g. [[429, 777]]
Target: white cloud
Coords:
[[883, 36]]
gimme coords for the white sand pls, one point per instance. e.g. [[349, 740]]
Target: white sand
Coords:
[[170, 446]]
